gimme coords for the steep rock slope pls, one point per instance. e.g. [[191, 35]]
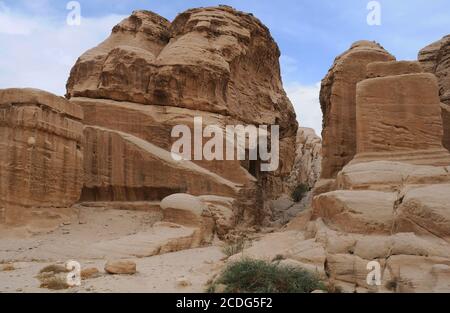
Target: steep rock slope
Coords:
[[435, 59]]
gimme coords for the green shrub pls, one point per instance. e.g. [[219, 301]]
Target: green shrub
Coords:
[[234, 248], [299, 192], [256, 276]]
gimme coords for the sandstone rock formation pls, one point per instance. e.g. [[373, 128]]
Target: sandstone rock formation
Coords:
[[208, 59], [308, 159], [306, 172], [120, 267], [390, 203], [399, 116], [41, 152], [201, 214], [435, 59], [338, 102], [151, 75], [391, 200]]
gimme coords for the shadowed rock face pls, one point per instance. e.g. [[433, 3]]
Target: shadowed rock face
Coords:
[[435, 59], [338, 102], [150, 75]]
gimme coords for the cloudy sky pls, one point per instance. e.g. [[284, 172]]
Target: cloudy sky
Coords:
[[38, 48]]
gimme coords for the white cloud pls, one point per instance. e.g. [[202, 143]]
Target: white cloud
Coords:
[[14, 25], [38, 51], [305, 99]]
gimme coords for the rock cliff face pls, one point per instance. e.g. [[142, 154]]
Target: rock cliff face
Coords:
[[402, 126], [308, 160], [209, 59], [151, 75], [338, 102], [435, 59], [41, 152], [390, 203]]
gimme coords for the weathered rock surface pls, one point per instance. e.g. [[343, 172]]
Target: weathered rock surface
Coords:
[[120, 267], [390, 203], [206, 214], [147, 173], [360, 211], [210, 59], [399, 118], [151, 75], [435, 59], [306, 171], [41, 154], [393, 68], [426, 210], [338, 102], [308, 159]]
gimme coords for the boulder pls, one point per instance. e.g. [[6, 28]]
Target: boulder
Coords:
[[120, 267], [90, 272], [364, 211], [425, 210], [189, 211]]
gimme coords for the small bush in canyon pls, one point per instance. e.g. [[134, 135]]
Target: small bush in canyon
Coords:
[[299, 192], [236, 247], [257, 276]]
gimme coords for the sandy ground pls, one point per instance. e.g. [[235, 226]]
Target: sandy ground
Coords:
[[94, 235]]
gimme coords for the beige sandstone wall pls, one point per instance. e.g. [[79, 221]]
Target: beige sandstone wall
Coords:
[[435, 58], [338, 102], [41, 151]]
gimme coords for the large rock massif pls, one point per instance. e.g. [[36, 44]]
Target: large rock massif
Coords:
[[385, 189], [390, 202], [385, 209], [150, 75], [435, 59]]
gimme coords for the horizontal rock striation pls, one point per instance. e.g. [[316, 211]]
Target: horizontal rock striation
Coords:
[[435, 59], [338, 102], [41, 151]]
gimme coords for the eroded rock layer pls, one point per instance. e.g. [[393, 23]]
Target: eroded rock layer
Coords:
[[391, 202], [307, 165], [150, 75], [41, 154], [209, 59], [399, 116], [338, 102], [388, 209], [435, 59]]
